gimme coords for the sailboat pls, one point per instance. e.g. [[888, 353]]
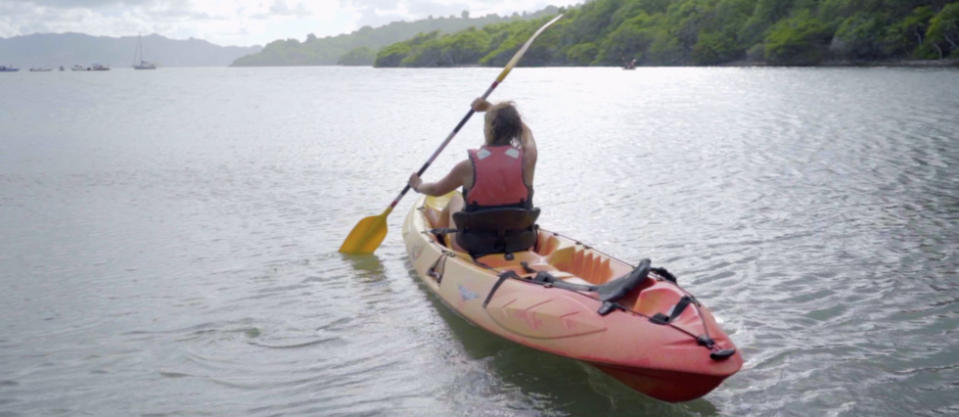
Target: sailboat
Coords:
[[138, 62]]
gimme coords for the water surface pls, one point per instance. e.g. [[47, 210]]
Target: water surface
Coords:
[[169, 237]]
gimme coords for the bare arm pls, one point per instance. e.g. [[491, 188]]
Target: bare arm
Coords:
[[459, 175], [529, 154]]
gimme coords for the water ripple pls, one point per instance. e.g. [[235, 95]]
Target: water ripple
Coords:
[[183, 261]]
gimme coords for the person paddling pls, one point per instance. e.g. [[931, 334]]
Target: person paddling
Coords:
[[498, 175]]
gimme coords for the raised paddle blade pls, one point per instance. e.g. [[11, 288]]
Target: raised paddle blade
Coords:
[[522, 50], [367, 235]]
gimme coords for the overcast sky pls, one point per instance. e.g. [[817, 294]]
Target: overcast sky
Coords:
[[235, 22]]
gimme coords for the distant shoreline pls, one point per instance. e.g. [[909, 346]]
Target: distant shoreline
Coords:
[[905, 63], [938, 63], [895, 63]]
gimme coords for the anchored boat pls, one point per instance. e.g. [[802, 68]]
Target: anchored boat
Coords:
[[138, 62], [633, 322]]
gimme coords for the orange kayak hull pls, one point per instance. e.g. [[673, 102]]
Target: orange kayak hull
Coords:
[[658, 340]]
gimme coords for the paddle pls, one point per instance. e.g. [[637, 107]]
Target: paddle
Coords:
[[367, 235]]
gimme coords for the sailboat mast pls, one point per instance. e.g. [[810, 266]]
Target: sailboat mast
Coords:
[[139, 51]]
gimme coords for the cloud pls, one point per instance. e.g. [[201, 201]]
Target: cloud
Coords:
[[81, 4], [242, 22], [236, 22], [437, 9], [281, 8]]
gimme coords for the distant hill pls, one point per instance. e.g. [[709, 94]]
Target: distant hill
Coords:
[[360, 47], [53, 50]]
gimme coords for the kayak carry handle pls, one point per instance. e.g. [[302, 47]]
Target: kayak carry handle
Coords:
[[721, 355]]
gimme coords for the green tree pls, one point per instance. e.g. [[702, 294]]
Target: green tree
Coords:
[[702, 32], [799, 40], [765, 14], [582, 54], [594, 20], [907, 36], [426, 51], [665, 49], [860, 37], [392, 55], [505, 43], [943, 33], [716, 48], [363, 55], [466, 47], [630, 40]]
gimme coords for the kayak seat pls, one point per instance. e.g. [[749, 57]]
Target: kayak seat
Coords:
[[496, 230], [616, 289]]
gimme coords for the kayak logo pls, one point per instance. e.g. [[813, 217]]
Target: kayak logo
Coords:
[[416, 251], [466, 294]]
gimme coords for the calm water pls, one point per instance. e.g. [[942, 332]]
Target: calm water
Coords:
[[169, 237]]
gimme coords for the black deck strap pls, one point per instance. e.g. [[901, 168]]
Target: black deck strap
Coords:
[[502, 277], [544, 277], [547, 279], [526, 267], [661, 318], [439, 232], [706, 341], [608, 307], [665, 274]]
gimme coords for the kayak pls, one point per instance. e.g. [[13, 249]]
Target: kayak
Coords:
[[633, 322]]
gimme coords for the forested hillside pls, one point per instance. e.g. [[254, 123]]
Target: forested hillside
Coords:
[[704, 32], [359, 47]]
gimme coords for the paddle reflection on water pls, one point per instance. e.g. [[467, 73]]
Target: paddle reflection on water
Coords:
[[368, 267], [539, 381]]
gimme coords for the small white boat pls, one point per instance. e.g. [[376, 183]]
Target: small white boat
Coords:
[[144, 65], [138, 62]]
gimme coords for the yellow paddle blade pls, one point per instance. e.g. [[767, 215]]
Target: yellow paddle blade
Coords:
[[367, 235]]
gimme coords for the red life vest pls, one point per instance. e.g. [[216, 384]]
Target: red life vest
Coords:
[[497, 178]]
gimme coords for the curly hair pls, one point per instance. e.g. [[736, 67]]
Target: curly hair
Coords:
[[503, 124]]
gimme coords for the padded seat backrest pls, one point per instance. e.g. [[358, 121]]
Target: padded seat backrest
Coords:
[[496, 230]]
